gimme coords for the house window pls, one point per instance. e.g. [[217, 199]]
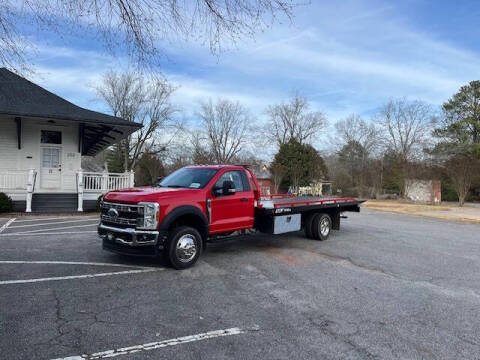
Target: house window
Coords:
[[51, 158], [51, 137]]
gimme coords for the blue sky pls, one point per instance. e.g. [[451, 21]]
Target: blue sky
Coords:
[[345, 56]]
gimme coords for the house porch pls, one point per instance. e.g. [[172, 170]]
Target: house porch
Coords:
[[22, 187]]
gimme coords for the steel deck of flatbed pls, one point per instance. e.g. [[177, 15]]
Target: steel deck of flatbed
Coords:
[[297, 201]]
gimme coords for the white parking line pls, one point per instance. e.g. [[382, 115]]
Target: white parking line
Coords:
[[4, 226], [56, 223], [70, 263], [52, 233], [24, 281], [161, 344], [53, 229], [58, 218]]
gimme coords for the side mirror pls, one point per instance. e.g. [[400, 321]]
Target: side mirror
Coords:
[[228, 187]]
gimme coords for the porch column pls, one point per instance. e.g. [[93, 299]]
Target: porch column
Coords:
[[104, 181], [30, 187], [80, 190], [131, 179]]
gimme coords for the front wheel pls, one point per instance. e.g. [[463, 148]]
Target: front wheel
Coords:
[[184, 246]]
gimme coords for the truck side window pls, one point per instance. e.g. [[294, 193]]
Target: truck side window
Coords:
[[235, 176], [246, 185]]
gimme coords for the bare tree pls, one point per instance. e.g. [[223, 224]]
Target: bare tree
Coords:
[[226, 125], [156, 116], [278, 172], [355, 129], [357, 140], [462, 170], [124, 93], [292, 120], [406, 128], [13, 48], [132, 97], [139, 26], [200, 152]]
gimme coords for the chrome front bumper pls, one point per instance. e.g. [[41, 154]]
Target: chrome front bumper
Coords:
[[128, 236]]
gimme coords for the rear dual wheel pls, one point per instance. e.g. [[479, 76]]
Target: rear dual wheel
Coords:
[[318, 226]]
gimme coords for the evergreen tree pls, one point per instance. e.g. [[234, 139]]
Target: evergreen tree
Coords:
[[459, 138], [302, 163]]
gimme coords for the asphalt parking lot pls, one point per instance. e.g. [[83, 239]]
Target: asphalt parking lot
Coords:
[[387, 286]]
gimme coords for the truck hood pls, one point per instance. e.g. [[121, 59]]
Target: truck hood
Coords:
[[135, 195]]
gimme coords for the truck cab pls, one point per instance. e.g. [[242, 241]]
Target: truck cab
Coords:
[[198, 203], [193, 203]]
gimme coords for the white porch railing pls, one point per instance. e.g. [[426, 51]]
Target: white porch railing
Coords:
[[13, 179], [103, 182], [100, 183], [23, 182], [19, 181]]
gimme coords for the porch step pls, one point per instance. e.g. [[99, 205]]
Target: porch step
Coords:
[[43, 203]]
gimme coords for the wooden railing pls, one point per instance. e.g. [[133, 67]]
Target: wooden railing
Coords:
[[101, 182], [13, 179]]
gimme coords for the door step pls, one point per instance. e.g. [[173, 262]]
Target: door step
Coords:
[[54, 203]]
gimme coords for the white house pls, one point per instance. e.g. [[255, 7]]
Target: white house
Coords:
[[42, 140]]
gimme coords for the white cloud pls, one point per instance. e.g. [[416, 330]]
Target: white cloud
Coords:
[[348, 57], [192, 91]]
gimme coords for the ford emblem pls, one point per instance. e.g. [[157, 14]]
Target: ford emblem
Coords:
[[112, 213]]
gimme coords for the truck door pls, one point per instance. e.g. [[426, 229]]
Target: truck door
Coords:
[[235, 210]]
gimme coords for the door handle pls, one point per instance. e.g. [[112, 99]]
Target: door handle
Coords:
[[243, 199]]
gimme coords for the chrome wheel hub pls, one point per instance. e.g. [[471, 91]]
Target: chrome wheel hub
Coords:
[[186, 249], [324, 227]]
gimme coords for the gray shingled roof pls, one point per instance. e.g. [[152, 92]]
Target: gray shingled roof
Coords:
[[21, 97]]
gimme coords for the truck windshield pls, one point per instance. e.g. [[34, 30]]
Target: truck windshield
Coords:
[[193, 178]]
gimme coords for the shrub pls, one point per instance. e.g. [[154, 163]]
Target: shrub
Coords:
[[6, 203], [448, 192]]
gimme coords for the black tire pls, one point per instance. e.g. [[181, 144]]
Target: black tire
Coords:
[[189, 236], [309, 224], [321, 227]]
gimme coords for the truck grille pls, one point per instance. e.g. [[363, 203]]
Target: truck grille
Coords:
[[128, 214]]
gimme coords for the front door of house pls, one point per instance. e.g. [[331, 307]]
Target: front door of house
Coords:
[[51, 164], [51, 168]]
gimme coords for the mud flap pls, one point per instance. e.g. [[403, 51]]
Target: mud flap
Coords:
[[336, 220]]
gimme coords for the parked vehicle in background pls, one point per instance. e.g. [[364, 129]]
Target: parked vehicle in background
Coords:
[[199, 204]]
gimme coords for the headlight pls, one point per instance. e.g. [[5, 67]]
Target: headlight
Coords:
[[151, 213]]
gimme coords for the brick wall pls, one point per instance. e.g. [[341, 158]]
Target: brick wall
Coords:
[[266, 186]]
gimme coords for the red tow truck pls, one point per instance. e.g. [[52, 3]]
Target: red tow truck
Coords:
[[198, 204]]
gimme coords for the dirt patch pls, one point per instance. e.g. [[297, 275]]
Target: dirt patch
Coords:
[[286, 259], [446, 211]]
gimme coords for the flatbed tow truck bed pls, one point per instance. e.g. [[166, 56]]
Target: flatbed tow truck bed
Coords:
[[279, 214], [301, 203]]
